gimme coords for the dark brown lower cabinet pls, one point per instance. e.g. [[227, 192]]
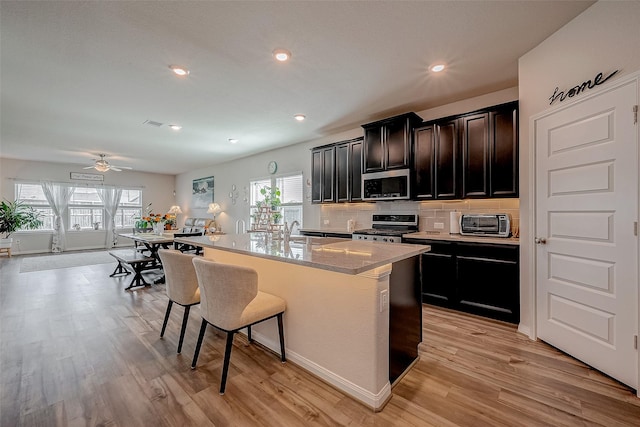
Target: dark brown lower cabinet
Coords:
[[476, 278], [438, 268], [488, 280], [405, 316]]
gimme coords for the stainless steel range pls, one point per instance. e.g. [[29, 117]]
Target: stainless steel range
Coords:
[[388, 228]]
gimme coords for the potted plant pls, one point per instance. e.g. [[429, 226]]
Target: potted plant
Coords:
[[14, 216], [271, 198], [276, 217]]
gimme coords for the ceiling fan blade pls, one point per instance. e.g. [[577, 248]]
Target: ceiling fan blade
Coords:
[[89, 167], [114, 168], [121, 167]]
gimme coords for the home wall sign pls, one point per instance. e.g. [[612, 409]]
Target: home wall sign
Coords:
[[87, 176], [597, 80]]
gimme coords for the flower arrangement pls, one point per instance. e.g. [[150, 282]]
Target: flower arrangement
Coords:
[[151, 219]]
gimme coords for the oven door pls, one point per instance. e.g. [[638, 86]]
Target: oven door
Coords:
[[389, 185]]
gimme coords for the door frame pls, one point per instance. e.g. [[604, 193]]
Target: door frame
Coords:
[[532, 188]]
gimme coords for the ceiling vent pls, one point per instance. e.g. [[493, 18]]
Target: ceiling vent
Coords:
[[152, 123]]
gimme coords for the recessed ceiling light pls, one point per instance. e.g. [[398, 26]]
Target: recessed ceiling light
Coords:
[[282, 55], [233, 140], [437, 68], [175, 127], [299, 117], [179, 70]]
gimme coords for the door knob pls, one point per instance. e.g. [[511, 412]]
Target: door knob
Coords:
[[540, 241]]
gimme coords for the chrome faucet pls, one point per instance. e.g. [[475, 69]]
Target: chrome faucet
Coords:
[[288, 230]]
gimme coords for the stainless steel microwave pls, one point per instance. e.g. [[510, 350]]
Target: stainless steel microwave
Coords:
[[388, 185], [496, 225]]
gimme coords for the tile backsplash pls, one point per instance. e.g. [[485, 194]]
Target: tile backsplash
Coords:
[[432, 214]]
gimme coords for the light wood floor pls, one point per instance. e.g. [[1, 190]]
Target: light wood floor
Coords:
[[78, 350]]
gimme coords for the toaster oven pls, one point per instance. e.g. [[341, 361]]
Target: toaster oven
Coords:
[[495, 225]]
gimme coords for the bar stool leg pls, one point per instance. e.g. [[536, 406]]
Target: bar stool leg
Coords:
[[166, 318], [185, 319], [227, 356], [203, 327], [283, 358]]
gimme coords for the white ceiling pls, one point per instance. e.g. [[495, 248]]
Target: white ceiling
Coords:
[[80, 78]]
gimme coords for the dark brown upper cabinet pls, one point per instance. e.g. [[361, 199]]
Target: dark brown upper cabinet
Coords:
[[336, 172], [349, 171], [475, 155], [436, 158], [490, 152], [387, 143], [323, 174], [504, 151]]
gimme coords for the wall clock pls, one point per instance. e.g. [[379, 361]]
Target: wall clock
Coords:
[[272, 167]]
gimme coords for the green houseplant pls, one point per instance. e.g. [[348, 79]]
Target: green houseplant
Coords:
[[271, 199], [14, 216]]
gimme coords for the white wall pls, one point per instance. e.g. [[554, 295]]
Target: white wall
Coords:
[[298, 158], [603, 38], [156, 188]]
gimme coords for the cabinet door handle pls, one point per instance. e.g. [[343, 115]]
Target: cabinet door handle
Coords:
[[540, 241]]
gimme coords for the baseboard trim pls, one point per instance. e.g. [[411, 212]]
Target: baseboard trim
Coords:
[[523, 329], [375, 401]]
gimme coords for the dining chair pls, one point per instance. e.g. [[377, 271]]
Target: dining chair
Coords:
[[231, 301], [181, 285]]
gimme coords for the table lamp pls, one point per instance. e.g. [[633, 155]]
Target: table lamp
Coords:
[[214, 208], [175, 210]]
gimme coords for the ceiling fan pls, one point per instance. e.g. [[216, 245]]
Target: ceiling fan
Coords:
[[102, 165]]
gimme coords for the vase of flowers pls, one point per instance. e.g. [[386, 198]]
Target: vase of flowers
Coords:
[[157, 222], [158, 228]]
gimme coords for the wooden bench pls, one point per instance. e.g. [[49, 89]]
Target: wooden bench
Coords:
[[131, 261]]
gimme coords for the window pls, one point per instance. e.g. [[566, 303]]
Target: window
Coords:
[[32, 195], [85, 206], [129, 208], [291, 195]]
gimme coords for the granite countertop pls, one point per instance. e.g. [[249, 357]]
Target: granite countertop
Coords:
[[334, 254], [426, 235]]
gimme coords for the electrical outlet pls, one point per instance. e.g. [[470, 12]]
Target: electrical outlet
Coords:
[[18, 242], [438, 225], [326, 222], [384, 300]]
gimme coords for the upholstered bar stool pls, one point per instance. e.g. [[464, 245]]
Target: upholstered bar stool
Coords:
[[182, 286], [231, 301]]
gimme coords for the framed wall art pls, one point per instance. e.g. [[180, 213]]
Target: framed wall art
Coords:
[[202, 193]]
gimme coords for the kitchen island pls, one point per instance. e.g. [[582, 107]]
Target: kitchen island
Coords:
[[353, 307]]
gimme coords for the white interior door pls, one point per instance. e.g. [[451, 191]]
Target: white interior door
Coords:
[[587, 249]]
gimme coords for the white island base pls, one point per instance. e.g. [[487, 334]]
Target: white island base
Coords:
[[336, 325]]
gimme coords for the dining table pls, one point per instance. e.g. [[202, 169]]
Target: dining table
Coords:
[[153, 243]]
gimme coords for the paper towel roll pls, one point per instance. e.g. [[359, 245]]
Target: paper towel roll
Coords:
[[454, 224]]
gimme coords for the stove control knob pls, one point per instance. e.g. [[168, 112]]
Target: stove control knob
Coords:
[[384, 239]]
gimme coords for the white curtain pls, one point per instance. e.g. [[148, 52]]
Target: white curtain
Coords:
[[58, 197], [111, 198]]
